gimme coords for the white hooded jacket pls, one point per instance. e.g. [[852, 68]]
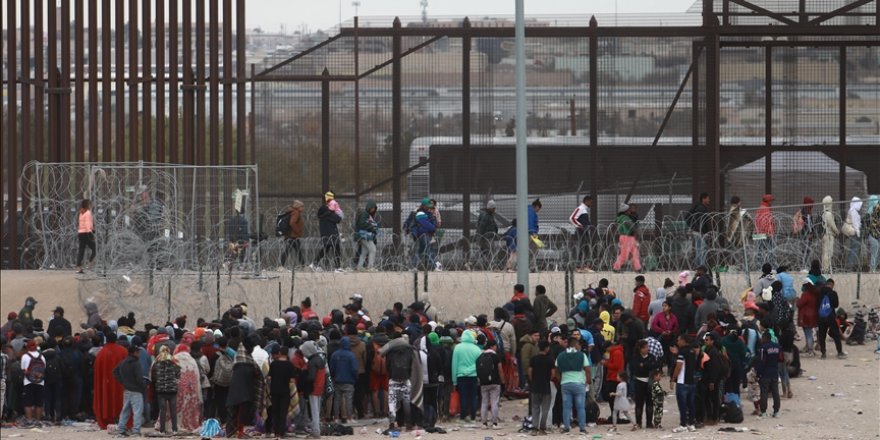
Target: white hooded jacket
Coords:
[[855, 218], [828, 217]]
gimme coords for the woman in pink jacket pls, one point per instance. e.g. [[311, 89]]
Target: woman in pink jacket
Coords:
[[665, 326], [86, 234]]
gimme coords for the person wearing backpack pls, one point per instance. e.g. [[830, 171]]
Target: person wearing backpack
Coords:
[[164, 375], [33, 364], [221, 377], [423, 227], [365, 230], [398, 354], [328, 226], [807, 317], [53, 381], [828, 303], [130, 375], [292, 231], [489, 368]]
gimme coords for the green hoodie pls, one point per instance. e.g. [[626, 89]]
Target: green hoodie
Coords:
[[464, 357]]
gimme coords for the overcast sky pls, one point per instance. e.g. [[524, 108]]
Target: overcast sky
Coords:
[[323, 14]]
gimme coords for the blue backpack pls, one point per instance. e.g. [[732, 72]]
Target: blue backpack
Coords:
[[825, 309]]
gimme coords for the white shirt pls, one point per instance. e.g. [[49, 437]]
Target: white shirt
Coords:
[[26, 361]]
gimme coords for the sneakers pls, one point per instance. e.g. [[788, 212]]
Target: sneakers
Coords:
[[583, 431], [841, 355], [495, 426], [610, 430], [692, 428], [680, 429], [340, 270], [485, 426], [775, 415]]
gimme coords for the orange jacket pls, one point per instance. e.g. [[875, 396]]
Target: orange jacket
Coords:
[[614, 363], [641, 300]]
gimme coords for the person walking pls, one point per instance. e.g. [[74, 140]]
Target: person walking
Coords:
[[131, 376], [626, 230], [85, 235], [700, 223], [828, 304], [423, 232], [580, 219], [765, 229], [295, 228], [366, 230], [852, 228], [487, 232], [328, 226], [164, 375]]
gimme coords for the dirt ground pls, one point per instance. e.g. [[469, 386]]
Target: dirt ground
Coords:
[[852, 413]]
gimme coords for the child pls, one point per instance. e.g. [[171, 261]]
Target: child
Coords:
[[621, 403], [333, 205], [754, 391], [657, 396]]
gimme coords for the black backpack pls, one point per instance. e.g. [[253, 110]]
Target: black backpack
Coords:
[[54, 370], [592, 409], [730, 413], [486, 369], [282, 224]]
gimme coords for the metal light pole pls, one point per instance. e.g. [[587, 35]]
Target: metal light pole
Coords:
[[522, 177]]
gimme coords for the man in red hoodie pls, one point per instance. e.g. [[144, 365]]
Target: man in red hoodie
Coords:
[[641, 300]]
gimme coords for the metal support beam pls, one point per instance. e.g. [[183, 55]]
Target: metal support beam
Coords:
[[842, 124], [106, 110], [79, 74], [765, 12], [841, 11], [227, 82], [713, 99], [241, 89], [120, 80], [147, 149], [768, 120], [396, 135], [357, 115], [522, 159], [325, 133], [11, 134], [594, 116], [134, 148], [466, 129]]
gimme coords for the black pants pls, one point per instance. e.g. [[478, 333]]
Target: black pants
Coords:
[[86, 240], [711, 401], [292, 245], [642, 398], [608, 387], [429, 418], [769, 385], [219, 406], [829, 328], [171, 400], [330, 245], [280, 404]]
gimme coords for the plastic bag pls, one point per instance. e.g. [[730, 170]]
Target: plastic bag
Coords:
[[454, 403]]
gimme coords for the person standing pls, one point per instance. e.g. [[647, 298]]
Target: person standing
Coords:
[[580, 218], [164, 376], [280, 379], [700, 223], [574, 369], [534, 228], [245, 388], [328, 226], [464, 373], [366, 230], [626, 231], [85, 234], [344, 370], [33, 364], [872, 229], [189, 390], [641, 300], [295, 229], [489, 368], [541, 372], [665, 326], [543, 307], [487, 232], [767, 368], [828, 304], [682, 381], [733, 233], [108, 393], [829, 224], [399, 358], [765, 228], [59, 328], [131, 376], [853, 229], [642, 367]]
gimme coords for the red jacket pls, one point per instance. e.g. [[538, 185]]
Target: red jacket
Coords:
[[661, 324], [808, 309], [614, 363], [641, 300], [764, 223]]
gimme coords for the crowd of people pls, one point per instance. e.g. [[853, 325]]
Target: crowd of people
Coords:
[[312, 374]]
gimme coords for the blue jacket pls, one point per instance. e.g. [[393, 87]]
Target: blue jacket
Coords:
[[533, 221], [787, 281], [343, 364], [425, 224], [510, 238]]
